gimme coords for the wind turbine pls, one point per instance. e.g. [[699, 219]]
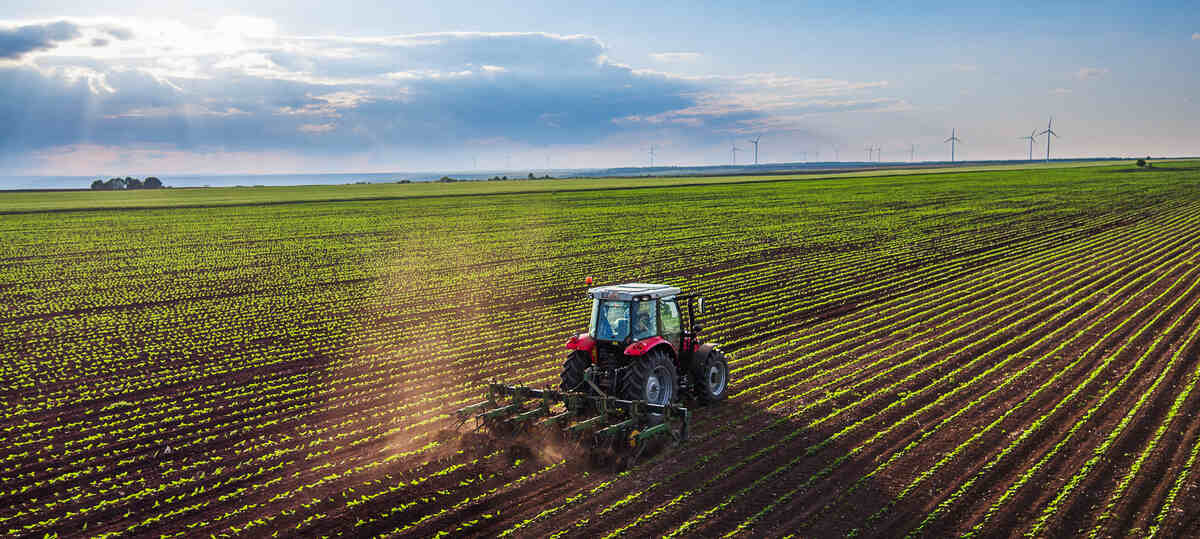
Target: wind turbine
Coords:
[[1048, 132], [952, 140], [912, 152], [878, 153], [652, 156], [1031, 138], [733, 149], [754, 141], [870, 152]]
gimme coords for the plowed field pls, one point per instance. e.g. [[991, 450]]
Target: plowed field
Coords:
[[949, 353]]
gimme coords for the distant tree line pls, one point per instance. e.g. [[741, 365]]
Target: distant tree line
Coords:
[[532, 176], [115, 184]]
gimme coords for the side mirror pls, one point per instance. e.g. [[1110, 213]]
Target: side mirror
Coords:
[[700, 306]]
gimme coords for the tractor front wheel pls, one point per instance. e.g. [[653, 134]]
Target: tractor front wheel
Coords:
[[572, 373], [710, 377], [651, 378]]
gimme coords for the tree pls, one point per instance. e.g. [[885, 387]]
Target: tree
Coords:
[[98, 184], [133, 183], [152, 183], [1141, 163], [532, 177]]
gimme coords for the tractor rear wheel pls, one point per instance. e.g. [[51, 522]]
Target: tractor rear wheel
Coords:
[[572, 373], [710, 377], [651, 378]]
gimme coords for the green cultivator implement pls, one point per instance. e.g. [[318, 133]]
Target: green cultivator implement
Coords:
[[591, 421], [623, 380]]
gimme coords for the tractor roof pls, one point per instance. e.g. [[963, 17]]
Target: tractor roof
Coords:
[[630, 291]]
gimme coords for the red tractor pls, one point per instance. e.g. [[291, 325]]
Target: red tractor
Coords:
[[638, 348], [623, 382]]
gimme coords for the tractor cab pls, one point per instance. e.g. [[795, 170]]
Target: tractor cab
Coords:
[[635, 312]]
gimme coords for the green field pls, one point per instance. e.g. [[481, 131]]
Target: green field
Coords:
[[70, 200], [246, 361]]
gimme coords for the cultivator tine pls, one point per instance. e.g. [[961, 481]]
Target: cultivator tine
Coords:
[[469, 412], [586, 424], [616, 429], [556, 420], [522, 419], [637, 454], [502, 411], [652, 432], [535, 413]]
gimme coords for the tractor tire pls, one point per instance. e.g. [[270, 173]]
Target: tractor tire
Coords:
[[710, 377], [572, 373], [651, 378]]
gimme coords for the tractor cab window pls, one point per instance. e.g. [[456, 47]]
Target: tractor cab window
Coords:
[[645, 324], [610, 320], [672, 322]]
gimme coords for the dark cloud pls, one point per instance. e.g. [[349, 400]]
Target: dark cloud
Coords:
[[15, 42]]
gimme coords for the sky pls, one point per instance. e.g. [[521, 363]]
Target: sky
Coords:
[[302, 86]]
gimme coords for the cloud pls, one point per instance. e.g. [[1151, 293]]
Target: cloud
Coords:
[[242, 87], [16, 42], [1196, 36], [1060, 91], [123, 34], [964, 67], [317, 128], [748, 102], [1086, 73], [668, 57], [740, 115]]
